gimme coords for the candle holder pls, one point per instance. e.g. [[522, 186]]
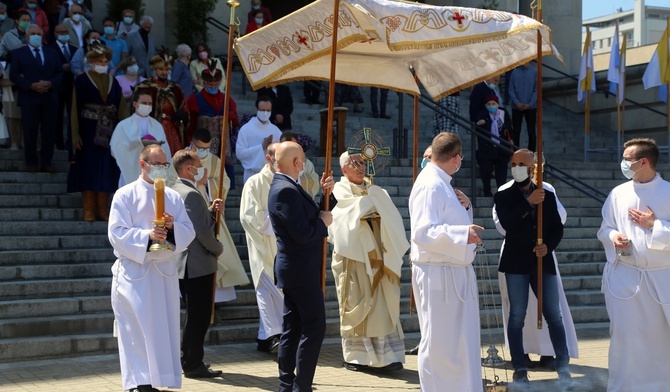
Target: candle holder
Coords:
[[159, 245]]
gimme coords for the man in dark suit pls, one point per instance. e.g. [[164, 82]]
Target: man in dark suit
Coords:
[[479, 94], [37, 71], [65, 52], [282, 105], [517, 207], [142, 46], [196, 265], [300, 226]]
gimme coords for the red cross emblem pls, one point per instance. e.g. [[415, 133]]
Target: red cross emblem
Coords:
[[302, 39], [458, 17]]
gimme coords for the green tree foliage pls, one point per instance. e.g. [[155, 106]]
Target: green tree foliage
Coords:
[[115, 8], [490, 4], [191, 26]]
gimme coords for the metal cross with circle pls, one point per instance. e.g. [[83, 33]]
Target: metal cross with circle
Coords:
[[369, 151]]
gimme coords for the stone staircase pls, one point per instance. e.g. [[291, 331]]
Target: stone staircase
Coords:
[[55, 268]]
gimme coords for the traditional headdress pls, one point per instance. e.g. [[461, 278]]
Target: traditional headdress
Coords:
[[211, 73], [161, 61], [96, 51]]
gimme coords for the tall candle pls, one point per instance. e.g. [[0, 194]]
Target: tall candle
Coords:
[[159, 187]]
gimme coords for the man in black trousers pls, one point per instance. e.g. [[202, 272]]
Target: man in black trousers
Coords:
[[300, 226], [196, 265], [65, 50]]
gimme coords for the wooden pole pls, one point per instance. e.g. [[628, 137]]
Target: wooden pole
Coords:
[[538, 176], [329, 131], [226, 104]]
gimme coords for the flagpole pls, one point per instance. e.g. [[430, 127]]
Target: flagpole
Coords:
[[415, 173], [587, 112], [538, 176], [329, 132]]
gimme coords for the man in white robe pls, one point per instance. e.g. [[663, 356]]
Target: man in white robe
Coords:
[[127, 140], [369, 241], [636, 236], [262, 246], [255, 137], [145, 285], [443, 241], [537, 341]]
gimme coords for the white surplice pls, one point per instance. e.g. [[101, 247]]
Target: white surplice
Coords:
[[366, 264], [145, 287], [249, 145], [636, 288], [126, 145], [262, 248], [445, 286], [537, 341]]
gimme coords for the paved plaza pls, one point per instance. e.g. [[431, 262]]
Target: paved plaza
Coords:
[[245, 369]]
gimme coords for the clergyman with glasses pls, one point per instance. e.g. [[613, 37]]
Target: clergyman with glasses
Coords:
[[636, 236], [133, 134], [145, 284]]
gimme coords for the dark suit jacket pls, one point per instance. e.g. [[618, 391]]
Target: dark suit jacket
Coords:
[[515, 214], [282, 103], [142, 54], [300, 233], [25, 70], [68, 77], [200, 258]]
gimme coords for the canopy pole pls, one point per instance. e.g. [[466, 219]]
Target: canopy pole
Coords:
[[329, 132], [224, 129], [539, 171]]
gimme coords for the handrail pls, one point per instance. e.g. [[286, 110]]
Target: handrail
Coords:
[[218, 24], [635, 103], [476, 130]]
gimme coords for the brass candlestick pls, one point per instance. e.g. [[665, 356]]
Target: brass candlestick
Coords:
[[160, 244]]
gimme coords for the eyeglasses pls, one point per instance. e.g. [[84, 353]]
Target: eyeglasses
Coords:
[[159, 165], [458, 154]]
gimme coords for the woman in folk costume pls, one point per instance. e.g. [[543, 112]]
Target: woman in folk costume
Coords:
[[169, 105], [206, 111], [97, 106]]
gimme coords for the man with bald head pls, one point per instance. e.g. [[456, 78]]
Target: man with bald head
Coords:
[[516, 208], [300, 226]]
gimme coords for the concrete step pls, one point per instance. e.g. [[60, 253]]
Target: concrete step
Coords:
[[50, 227], [44, 242], [54, 287], [44, 307], [57, 271], [41, 214], [53, 201], [24, 258]]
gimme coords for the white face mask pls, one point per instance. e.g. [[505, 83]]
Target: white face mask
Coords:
[[200, 172], [101, 69], [143, 110], [626, 170], [203, 152], [158, 173], [263, 115], [76, 18], [520, 173], [133, 69]]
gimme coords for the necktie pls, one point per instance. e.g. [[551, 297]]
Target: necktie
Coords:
[[66, 52], [38, 57]]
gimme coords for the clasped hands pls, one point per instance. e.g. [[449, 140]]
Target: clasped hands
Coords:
[[160, 233], [41, 86]]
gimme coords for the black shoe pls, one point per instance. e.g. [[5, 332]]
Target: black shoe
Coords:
[[547, 362], [144, 388], [529, 363], [520, 378], [391, 367], [354, 367], [48, 169], [413, 351], [384, 115], [488, 194], [375, 115], [202, 372], [269, 345]]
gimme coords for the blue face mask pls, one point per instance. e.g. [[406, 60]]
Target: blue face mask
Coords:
[[108, 30], [32, 6], [212, 90], [424, 162], [35, 40], [492, 109], [127, 20], [64, 38]]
